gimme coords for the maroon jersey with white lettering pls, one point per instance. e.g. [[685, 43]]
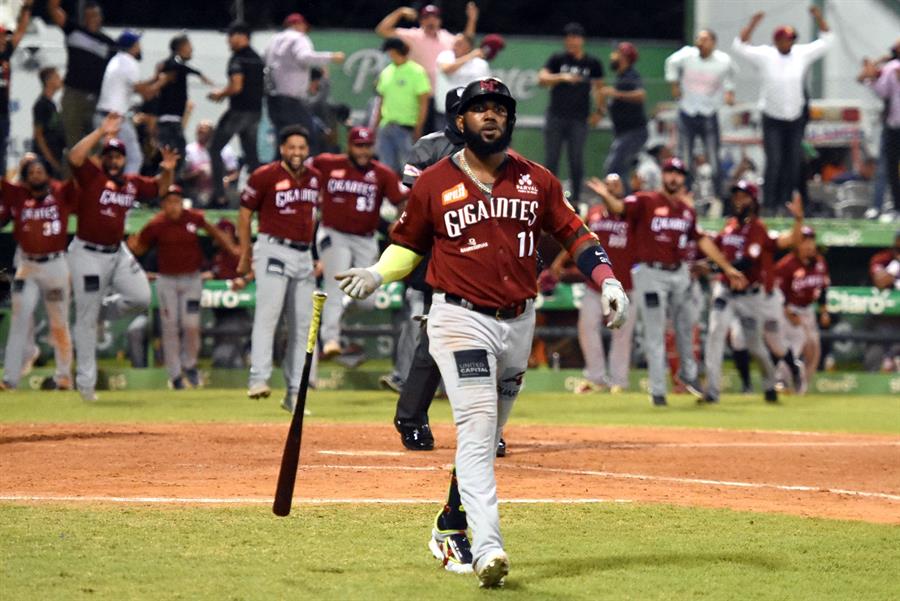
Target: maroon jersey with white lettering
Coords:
[[659, 228], [103, 203], [612, 231], [40, 226], [749, 248], [286, 205], [483, 246], [177, 241], [802, 283], [351, 196]]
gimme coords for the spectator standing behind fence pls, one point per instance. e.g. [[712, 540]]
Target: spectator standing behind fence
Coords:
[[121, 81], [886, 84], [244, 91], [404, 89], [88, 50], [782, 100], [456, 68], [702, 79], [7, 47], [49, 138], [289, 57], [626, 110], [197, 173], [571, 75]]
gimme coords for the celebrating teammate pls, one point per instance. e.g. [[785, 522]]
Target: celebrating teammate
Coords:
[[661, 224], [480, 212], [353, 188], [98, 260], [40, 211], [284, 193], [175, 233]]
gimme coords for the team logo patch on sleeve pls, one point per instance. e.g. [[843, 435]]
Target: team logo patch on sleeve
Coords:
[[455, 194], [472, 364]]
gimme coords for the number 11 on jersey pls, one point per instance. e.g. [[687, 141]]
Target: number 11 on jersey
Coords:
[[522, 236]]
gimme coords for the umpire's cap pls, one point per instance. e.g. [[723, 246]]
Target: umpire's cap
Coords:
[[492, 88], [114, 145]]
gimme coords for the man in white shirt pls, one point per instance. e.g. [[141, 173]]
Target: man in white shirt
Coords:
[[782, 101], [197, 175], [455, 69], [702, 79], [121, 81], [289, 58]]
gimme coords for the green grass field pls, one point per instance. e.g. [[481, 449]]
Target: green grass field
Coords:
[[602, 551]]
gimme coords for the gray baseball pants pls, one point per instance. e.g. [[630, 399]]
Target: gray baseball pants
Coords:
[[590, 338], [179, 312], [339, 252]]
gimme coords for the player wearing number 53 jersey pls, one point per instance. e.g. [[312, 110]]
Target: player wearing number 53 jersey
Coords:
[[480, 212], [353, 187], [40, 211]]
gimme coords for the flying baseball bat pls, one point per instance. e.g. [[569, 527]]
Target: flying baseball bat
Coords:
[[290, 458]]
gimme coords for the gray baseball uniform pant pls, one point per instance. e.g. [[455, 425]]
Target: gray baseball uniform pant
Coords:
[[657, 290], [179, 312], [774, 322], [408, 339], [749, 309], [34, 281], [804, 339], [284, 281], [94, 276], [590, 324], [482, 362], [339, 252]]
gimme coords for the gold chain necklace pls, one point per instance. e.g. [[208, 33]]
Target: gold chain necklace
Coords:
[[461, 157]]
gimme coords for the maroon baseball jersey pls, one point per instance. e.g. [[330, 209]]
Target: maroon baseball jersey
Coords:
[[103, 203], [886, 260], [177, 241], [40, 226], [749, 248], [659, 228], [286, 205], [802, 283], [483, 247], [351, 197], [612, 231], [225, 265]]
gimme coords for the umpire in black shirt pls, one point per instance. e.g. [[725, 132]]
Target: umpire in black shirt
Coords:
[[245, 93], [571, 76]]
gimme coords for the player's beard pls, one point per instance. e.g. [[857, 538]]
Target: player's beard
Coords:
[[671, 188], [483, 148]]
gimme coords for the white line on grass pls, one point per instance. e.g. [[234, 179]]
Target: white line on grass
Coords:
[[267, 501]]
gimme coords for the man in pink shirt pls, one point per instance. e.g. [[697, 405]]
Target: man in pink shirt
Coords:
[[426, 41]]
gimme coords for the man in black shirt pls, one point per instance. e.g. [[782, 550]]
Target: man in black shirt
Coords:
[[88, 50], [571, 76], [173, 96], [245, 92], [49, 138], [626, 109]]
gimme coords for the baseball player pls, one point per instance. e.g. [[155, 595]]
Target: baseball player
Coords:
[[39, 209], [98, 261], [179, 285], [284, 193], [353, 188], [747, 246], [660, 226], [803, 278], [480, 212]]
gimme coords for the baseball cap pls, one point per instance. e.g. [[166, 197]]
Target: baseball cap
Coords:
[[574, 29], [785, 32], [628, 50], [748, 187], [127, 39], [807, 232], [361, 136], [226, 225], [239, 27], [430, 10], [295, 19], [114, 145], [174, 189], [675, 164], [491, 45]]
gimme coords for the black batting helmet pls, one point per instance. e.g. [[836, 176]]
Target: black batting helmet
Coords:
[[489, 87]]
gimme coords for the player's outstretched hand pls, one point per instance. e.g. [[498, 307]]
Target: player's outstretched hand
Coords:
[[614, 303], [358, 283]]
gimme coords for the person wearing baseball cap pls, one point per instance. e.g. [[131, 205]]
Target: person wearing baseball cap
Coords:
[[782, 70], [290, 57], [626, 110], [455, 68], [573, 77]]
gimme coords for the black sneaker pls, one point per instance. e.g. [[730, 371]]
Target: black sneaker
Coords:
[[771, 396], [177, 383], [193, 377], [415, 437], [658, 400], [501, 448]]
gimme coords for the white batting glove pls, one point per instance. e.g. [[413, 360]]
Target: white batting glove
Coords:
[[614, 303], [359, 283]]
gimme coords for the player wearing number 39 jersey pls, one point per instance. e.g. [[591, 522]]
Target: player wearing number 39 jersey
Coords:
[[480, 212]]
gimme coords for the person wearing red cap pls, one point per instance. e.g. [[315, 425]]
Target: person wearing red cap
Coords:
[[175, 232], [353, 188], [782, 70], [626, 110], [289, 58], [456, 68], [8, 44], [99, 262]]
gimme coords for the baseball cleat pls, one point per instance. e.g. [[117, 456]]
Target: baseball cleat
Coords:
[[708, 399], [287, 403], [492, 570], [771, 396], [88, 396], [391, 382], [259, 391], [28, 365], [331, 349], [658, 400], [616, 389], [415, 437], [177, 383], [501, 448], [693, 387], [193, 377], [63, 383], [453, 551]]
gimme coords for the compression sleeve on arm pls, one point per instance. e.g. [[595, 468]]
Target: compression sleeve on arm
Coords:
[[396, 263]]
